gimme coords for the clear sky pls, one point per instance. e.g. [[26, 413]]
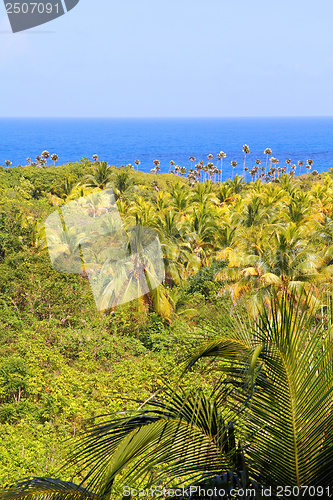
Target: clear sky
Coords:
[[155, 58]]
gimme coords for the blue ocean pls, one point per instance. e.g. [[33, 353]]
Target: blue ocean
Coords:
[[122, 141]]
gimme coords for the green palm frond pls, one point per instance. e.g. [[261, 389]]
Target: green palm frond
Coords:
[[289, 420], [44, 488], [182, 435]]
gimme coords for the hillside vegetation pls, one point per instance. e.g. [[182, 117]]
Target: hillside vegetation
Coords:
[[228, 247]]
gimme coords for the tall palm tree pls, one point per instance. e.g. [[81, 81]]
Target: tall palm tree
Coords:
[[288, 161], [95, 157], [210, 167], [45, 155], [268, 153], [29, 161], [137, 163], [54, 158], [157, 166], [274, 161], [192, 159], [309, 164], [234, 165], [38, 158], [300, 163], [220, 156], [8, 163], [172, 164], [246, 151], [293, 168]]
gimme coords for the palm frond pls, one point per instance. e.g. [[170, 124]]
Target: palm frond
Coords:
[[44, 488]]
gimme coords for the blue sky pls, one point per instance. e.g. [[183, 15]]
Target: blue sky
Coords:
[[152, 58]]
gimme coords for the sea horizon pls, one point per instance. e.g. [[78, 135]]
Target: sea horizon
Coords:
[[121, 141]]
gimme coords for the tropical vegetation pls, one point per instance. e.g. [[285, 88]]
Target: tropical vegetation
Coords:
[[220, 377]]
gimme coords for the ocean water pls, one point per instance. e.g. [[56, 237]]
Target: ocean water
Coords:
[[121, 141]]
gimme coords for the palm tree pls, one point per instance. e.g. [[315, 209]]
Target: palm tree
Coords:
[[268, 153], [234, 165], [274, 161], [157, 166], [45, 155], [43, 162], [8, 163], [192, 159], [137, 163], [300, 163], [54, 157], [285, 264], [309, 164], [288, 163], [66, 188], [100, 177], [210, 167], [291, 394], [201, 232], [220, 156], [186, 429], [172, 164], [236, 184], [38, 158], [121, 182], [246, 151], [293, 168], [29, 161], [95, 157]]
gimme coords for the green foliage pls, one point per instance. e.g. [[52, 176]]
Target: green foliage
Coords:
[[203, 282], [62, 362]]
